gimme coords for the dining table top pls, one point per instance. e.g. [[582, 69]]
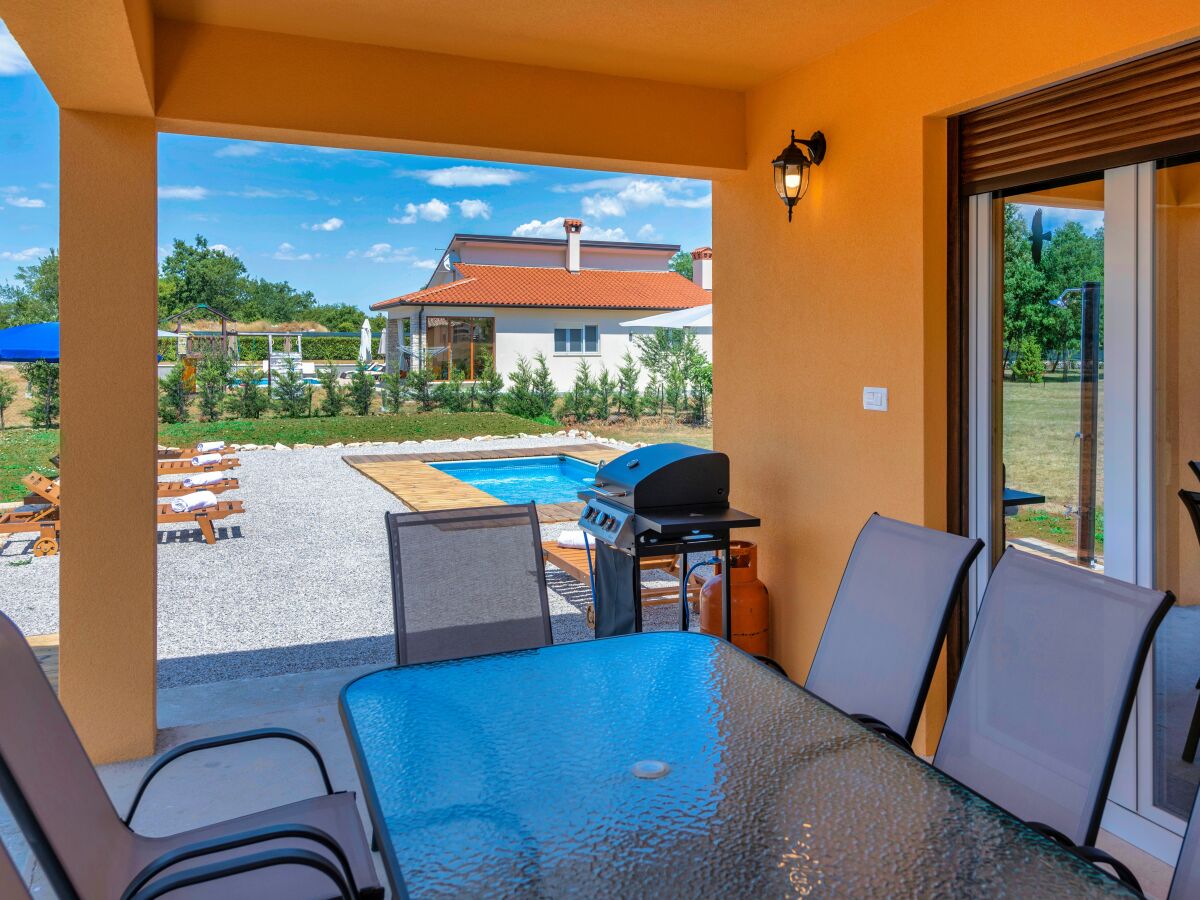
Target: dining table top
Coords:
[[667, 764]]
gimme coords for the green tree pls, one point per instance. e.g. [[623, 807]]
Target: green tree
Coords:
[[362, 390], [33, 295], [338, 316], [681, 262], [273, 301], [393, 391], [701, 390], [543, 388], [173, 396], [8, 393], [652, 398], [605, 390], [292, 397], [334, 398], [629, 400], [419, 385], [213, 375], [449, 393], [490, 384], [580, 400], [1028, 365], [197, 274], [248, 400], [519, 400], [43, 384]]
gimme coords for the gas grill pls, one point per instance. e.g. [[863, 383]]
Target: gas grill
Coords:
[[661, 500]]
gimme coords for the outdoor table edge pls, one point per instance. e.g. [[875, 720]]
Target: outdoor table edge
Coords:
[[391, 861]]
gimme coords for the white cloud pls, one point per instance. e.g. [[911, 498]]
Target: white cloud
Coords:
[[385, 253], [601, 205], [467, 176], [25, 255], [286, 251], [425, 264], [257, 193], [331, 224], [241, 148], [553, 228], [648, 233], [474, 209], [25, 202], [432, 211], [224, 248], [181, 192], [612, 183], [13, 60]]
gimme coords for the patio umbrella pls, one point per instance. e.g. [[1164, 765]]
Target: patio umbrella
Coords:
[[383, 342], [29, 343], [692, 317], [364, 342]]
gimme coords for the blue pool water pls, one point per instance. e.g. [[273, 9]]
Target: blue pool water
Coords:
[[540, 479]]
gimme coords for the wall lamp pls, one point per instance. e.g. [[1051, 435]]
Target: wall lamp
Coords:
[[792, 167]]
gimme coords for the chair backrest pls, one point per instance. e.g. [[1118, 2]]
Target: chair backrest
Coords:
[[1186, 883], [1194, 465], [466, 582], [1191, 500], [881, 640], [1045, 690], [47, 779]]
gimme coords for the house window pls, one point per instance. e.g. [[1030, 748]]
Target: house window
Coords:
[[577, 339], [459, 344]]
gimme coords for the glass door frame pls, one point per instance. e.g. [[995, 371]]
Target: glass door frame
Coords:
[[1129, 265]]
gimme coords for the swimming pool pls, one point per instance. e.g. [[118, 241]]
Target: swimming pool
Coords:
[[540, 479]]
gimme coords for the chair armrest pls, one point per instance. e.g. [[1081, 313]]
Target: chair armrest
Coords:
[[241, 865], [226, 740], [882, 729], [228, 842], [1093, 855]]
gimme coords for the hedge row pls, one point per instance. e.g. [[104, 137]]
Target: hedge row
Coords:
[[254, 349]]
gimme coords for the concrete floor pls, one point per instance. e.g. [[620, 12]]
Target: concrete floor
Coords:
[[235, 780]]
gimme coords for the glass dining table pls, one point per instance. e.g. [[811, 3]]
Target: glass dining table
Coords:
[[666, 764]]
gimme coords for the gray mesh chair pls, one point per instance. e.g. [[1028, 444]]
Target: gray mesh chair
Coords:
[[1045, 693], [1191, 501], [1186, 883], [883, 635], [12, 886], [314, 848], [466, 582]]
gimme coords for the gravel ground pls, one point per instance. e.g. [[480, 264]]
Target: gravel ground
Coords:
[[298, 582]]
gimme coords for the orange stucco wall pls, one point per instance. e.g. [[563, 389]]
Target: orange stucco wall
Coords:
[[852, 292]]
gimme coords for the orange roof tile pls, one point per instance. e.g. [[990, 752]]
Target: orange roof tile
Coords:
[[481, 285]]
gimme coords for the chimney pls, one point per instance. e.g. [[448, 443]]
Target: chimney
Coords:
[[573, 227], [702, 267]]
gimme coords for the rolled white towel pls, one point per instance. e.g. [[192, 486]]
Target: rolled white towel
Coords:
[[195, 481], [193, 501], [206, 459], [573, 540], [210, 446]]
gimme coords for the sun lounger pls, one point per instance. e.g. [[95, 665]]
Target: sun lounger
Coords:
[[184, 466], [573, 562], [189, 452], [175, 488], [40, 518]]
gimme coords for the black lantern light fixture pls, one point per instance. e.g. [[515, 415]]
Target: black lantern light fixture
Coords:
[[792, 167]]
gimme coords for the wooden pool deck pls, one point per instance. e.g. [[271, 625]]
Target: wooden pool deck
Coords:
[[419, 486]]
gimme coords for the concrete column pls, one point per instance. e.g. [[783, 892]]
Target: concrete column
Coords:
[[108, 313]]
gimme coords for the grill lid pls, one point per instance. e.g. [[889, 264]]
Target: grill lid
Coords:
[[666, 475]]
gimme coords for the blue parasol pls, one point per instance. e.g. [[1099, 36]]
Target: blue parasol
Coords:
[[29, 343]]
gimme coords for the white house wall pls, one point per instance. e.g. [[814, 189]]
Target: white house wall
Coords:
[[525, 332]]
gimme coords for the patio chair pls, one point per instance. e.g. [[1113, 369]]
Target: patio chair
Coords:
[[1191, 501], [39, 515], [314, 848], [12, 885], [881, 641], [1185, 885], [466, 582], [1194, 465], [1045, 691]]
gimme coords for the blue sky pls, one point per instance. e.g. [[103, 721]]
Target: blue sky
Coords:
[[352, 226]]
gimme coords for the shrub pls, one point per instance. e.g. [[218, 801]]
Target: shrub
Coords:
[[172, 399], [489, 385], [605, 388], [652, 399], [43, 383], [419, 386], [393, 391], [212, 380], [449, 393], [1028, 366], [335, 397], [580, 400], [629, 400], [362, 390], [8, 393], [292, 397], [520, 400], [248, 400], [701, 381], [545, 391]]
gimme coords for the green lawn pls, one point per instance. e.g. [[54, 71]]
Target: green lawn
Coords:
[[23, 450]]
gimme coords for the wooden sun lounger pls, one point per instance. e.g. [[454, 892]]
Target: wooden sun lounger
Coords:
[[185, 467], [176, 488], [189, 452], [574, 562], [202, 518], [39, 518]]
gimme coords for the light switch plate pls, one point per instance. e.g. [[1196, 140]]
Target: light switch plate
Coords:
[[875, 399]]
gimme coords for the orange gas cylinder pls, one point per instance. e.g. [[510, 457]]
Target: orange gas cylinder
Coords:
[[749, 599]]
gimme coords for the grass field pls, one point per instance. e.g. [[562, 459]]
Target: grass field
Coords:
[[656, 431]]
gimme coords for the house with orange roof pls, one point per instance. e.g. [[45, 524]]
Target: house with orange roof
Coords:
[[512, 297]]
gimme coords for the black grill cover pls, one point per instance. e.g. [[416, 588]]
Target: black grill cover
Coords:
[[618, 576]]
